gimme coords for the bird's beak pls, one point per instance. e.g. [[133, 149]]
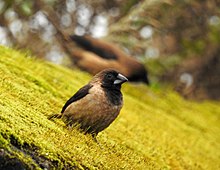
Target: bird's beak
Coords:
[[120, 79]]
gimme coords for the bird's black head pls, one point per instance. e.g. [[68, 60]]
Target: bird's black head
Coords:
[[112, 79]]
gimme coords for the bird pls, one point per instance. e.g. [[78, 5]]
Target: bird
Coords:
[[96, 55], [96, 105]]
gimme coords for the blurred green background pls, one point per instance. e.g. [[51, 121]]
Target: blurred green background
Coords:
[[178, 41]]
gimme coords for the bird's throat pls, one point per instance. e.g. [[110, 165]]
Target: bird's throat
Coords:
[[114, 96]]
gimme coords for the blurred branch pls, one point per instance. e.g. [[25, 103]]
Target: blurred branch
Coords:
[[62, 37], [126, 30]]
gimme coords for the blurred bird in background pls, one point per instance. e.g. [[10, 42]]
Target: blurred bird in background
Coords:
[[93, 55], [97, 55]]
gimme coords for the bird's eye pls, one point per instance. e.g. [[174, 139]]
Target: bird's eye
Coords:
[[109, 76]]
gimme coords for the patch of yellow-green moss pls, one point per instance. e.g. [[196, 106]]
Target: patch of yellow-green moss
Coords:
[[156, 129]]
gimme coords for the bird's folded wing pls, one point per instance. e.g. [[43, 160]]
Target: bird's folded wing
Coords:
[[77, 96]]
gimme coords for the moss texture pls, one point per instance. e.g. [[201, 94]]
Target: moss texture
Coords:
[[156, 129]]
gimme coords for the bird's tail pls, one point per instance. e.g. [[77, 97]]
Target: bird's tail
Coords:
[[52, 116]]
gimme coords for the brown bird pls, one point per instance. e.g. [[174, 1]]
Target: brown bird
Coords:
[[98, 55], [96, 105]]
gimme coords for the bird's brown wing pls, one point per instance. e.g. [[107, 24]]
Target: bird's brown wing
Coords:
[[101, 48], [82, 92]]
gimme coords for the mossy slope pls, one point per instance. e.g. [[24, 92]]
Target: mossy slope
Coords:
[[156, 129]]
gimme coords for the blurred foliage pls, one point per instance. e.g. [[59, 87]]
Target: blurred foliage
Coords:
[[161, 33], [181, 27]]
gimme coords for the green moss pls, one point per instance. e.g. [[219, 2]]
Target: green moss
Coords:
[[156, 129]]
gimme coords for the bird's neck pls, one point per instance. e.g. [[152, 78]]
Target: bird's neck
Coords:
[[114, 95]]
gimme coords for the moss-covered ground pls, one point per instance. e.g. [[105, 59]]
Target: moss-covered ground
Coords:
[[156, 129]]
